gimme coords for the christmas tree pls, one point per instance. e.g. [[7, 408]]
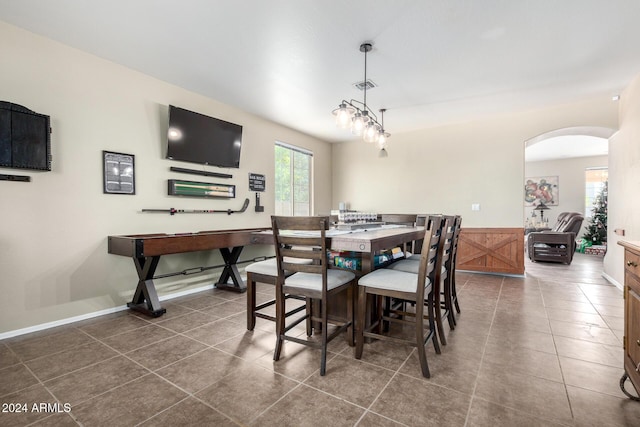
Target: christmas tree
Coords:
[[597, 228]]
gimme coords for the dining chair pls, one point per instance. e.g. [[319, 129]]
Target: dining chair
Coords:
[[304, 238], [449, 296], [400, 219], [267, 272], [452, 271], [408, 287], [442, 302]]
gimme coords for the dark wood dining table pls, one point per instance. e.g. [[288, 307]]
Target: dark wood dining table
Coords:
[[146, 249], [367, 241]]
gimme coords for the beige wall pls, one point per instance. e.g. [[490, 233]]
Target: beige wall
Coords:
[[624, 181], [53, 230], [570, 173], [448, 168]]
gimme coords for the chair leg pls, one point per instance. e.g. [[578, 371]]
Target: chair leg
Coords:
[[350, 311], [251, 303], [360, 321], [432, 326], [309, 325], [280, 320], [438, 317], [379, 312], [323, 360], [422, 354], [453, 292], [448, 304]]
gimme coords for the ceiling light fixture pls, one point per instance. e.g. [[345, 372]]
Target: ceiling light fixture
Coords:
[[358, 117]]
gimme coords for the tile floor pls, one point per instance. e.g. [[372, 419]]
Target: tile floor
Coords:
[[544, 350]]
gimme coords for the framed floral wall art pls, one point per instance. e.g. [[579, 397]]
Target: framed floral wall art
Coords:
[[541, 189]]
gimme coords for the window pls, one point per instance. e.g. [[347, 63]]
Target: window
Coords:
[[293, 180], [594, 179]]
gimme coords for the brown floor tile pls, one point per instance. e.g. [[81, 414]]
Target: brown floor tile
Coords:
[[56, 420], [576, 317], [128, 341], [585, 332], [457, 371], [610, 310], [163, 353], [173, 310], [525, 393], [417, 402], [216, 332], [522, 338], [592, 376], [352, 380], [386, 354], [115, 326], [306, 407], [42, 346], [189, 321], [93, 380], [593, 409], [14, 378], [130, 403], [200, 301], [514, 322], [200, 370], [250, 345], [7, 357], [25, 415], [590, 351], [297, 361], [614, 322], [581, 307], [524, 361], [62, 363], [229, 395], [190, 412], [226, 309], [370, 419], [487, 414]]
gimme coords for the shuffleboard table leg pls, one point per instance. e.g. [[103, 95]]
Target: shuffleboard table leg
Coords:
[[145, 299], [230, 270]]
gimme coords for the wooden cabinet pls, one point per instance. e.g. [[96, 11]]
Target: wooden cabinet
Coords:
[[491, 250], [632, 311]]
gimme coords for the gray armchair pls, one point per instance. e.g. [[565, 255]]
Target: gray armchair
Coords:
[[559, 244]]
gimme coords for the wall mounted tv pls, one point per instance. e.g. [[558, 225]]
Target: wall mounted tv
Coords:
[[196, 138], [25, 138]]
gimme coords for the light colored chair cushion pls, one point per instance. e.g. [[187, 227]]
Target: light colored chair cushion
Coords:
[[313, 281], [395, 280], [410, 266], [269, 267]]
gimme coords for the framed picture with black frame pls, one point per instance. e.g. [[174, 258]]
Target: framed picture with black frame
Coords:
[[118, 173]]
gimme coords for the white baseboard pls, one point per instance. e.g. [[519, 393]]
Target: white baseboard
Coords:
[[613, 281], [61, 322]]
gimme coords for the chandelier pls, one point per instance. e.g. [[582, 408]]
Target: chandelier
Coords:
[[358, 117]]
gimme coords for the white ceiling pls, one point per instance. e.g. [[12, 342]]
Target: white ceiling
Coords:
[[293, 61]]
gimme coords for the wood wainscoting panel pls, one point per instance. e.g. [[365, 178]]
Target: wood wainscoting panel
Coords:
[[491, 250]]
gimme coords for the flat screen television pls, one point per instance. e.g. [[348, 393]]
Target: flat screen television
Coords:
[[196, 138], [25, 138]]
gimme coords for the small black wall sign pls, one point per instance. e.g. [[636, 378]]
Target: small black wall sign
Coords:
[[256, 182]]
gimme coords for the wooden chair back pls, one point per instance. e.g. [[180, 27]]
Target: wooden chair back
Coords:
[[301, 238]]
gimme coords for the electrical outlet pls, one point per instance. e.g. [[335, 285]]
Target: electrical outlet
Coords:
[[475, 206]]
